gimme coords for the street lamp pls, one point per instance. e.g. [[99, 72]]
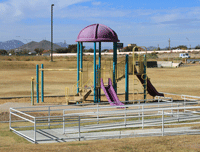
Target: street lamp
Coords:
[[52, 32]]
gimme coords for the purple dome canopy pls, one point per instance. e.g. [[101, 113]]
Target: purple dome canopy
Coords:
[[97, 33]]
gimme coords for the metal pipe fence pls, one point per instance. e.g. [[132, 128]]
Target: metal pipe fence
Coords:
[[102, 121]]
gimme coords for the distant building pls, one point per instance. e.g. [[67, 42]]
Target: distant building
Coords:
[[132, 45], [111, 50]]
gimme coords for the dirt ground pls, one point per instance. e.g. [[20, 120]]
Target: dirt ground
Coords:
[[15, 79]]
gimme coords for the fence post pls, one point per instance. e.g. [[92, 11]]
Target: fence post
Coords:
[[142, 117], [42, 83], [139, 112], [184, 104], [158, 101], [126, 80], [10, 120], [125, 116], [49, 117], [79, 128], [97, 113], [172, 106], [162, 122], [34, 131], [178, 113], [32, 91], [37, 82], [63, 121]]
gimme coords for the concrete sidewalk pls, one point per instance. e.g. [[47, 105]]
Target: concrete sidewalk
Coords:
[[56, 135]]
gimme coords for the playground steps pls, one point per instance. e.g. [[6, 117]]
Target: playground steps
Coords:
[[80, 97], [120, 78], [123, 76], [86, 94]]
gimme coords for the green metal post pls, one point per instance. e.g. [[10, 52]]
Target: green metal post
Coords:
[[37, 82], [126, 80], [99, 92], [78, 68], [114, 65], [32, 91], [81, 56], [95, 72], [42, 83]]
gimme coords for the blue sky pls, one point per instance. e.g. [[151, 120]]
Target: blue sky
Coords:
[[144, 22]]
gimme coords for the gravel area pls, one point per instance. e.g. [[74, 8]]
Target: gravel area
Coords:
[[6, 106], [4, 109]]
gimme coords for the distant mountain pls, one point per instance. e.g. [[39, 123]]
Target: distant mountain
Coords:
[[11, 44], [62, 44], [151, 48], [44, 44]]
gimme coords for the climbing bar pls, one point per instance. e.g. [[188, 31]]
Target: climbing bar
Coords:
[[58, 69]]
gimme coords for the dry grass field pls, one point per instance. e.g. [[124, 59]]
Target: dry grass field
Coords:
[[15, 78]]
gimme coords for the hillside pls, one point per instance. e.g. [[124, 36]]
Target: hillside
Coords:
[[11, 44], [46, 45]]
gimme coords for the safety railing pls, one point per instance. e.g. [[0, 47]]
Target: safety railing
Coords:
[[44, 123]]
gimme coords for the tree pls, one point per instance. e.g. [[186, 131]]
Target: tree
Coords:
[[90, 50], [105, 50], [197, 47], [39, 51], [12, 51], [3, 52], [130, 48], [182, 47], [24, 51], [73, 48], [62, 50]]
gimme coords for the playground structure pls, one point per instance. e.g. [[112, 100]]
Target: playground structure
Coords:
[[90, 81], [68, 123]]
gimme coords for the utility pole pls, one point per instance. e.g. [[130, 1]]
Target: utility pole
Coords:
[[189, 43], [169, 43], [52, 32]]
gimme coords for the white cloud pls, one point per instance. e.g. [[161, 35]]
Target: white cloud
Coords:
[[96, 3], [175, 15], [14, 10], [86, 13], [131, 25]]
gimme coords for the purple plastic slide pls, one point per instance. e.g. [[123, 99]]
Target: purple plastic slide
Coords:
[[110, 93]]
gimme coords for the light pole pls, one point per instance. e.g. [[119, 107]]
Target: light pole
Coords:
[[52, 32]]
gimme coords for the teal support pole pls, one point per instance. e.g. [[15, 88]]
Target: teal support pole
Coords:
[[32, 91], [95, 72], [97, 83], [145, 79], [37, 82], [114, 65], [42, 83], [81, 56], [78, 68], [126, 80], [99, 92]]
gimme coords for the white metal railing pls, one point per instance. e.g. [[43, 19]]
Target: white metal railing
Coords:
[[122, 114], [77, 122]]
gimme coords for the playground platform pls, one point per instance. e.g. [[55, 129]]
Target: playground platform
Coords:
[[57, 136]]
